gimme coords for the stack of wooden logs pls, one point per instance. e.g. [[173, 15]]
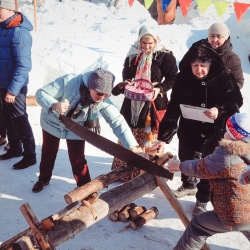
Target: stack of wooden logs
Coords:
[[136, 215]]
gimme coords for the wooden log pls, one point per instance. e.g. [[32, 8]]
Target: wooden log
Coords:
[[7, 245], [98, 183], [135, 212], [49, 221], [123, 215], [35, 226], [114, 216], [144, 218], [24, 243]]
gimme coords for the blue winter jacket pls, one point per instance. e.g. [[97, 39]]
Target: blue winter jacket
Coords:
[[68, 87], [15, 54]]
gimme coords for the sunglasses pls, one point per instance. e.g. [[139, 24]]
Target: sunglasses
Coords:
[[100, 94]]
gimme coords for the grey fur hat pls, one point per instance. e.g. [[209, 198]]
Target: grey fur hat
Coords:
[[7, 4], [101, 81], [219, 28]]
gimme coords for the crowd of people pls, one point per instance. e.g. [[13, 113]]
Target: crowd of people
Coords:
[[210, 76]]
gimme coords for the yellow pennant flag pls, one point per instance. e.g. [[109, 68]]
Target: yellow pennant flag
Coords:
[[204, 4], [148, 3], [220, 7]]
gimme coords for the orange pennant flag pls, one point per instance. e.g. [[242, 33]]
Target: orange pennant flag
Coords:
[[130, 2], [185, 4], [240, 10]]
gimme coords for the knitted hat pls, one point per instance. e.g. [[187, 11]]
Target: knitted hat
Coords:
[[101, 81], [238, 126], [7, 4], [148, 30], [219, 28]]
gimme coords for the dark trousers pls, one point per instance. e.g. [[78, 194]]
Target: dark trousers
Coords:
[[76, 156], [205, 225], [15, 119], [203, 186], [3, 131]]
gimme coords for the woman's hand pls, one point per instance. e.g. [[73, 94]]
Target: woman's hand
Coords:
[[10, 98], [159, 146], [212, 113], [174, 166], [61, 107], [156, 92]]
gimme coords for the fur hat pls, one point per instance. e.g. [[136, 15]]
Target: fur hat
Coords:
[[148, 30], [101, 81], [8, 4], [219, 28], [238, 126]]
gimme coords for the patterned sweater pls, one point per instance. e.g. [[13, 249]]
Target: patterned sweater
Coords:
[[230, 199]]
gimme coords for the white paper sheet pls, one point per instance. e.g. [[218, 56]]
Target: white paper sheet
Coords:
[[195, 113]]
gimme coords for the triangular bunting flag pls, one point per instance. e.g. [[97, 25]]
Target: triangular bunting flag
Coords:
[[148, 3], [240, 9], [220, 7], [203, 4], [185, 4], [164, 4], [130, 2]]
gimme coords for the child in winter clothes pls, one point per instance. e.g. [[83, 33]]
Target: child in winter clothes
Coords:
[[230, 199]]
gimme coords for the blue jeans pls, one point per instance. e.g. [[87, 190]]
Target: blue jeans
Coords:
[[15, 119]]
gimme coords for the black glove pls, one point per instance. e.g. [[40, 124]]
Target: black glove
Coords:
[[167, 130]]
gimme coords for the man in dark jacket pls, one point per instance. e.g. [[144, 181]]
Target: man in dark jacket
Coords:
[[15, 64], [204, 82], [219, 38]]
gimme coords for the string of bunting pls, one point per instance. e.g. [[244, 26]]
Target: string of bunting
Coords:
[[220, 6]]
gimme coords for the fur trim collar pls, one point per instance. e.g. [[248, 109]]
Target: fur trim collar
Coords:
[[236, 147]]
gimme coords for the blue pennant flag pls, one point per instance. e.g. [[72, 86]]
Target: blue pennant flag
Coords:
[[165, 4]]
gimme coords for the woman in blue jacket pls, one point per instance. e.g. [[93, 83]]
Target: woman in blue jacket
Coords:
[[80, 97]]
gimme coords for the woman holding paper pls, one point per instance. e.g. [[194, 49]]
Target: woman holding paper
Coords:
[[203, 81]]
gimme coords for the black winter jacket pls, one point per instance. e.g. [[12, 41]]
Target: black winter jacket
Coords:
[[163, 71], [217, 89], [231, 61]]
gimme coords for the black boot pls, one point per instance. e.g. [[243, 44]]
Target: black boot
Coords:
[[24, 163], [39, 185], [9, 155]]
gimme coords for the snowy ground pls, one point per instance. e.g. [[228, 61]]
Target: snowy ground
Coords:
[[73, 36]]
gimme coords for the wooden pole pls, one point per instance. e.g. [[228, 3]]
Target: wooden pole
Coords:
[[35, 226], [35, 18], [161, 182], [16, 5]]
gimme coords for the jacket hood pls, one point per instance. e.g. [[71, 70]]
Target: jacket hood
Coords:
[[24, 22], [236, 147], [204, 51]]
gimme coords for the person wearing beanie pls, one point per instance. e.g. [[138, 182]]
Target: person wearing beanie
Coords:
[[15, 65], [230, 199], [203, 82], [147, 59], [81, 98], [219, 38]]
